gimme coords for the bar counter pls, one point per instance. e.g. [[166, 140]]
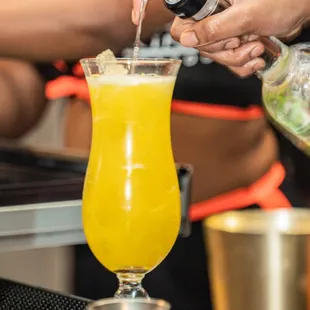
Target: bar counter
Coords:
[[40, 197], [50, 224]]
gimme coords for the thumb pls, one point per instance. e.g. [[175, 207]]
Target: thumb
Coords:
[[233, 22]]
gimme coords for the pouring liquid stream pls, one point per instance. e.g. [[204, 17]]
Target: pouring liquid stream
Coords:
[[136, 46]]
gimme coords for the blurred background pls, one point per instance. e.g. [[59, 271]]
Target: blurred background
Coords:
[[50, 268]]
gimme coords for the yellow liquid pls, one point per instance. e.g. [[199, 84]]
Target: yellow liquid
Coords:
[[131, 201]]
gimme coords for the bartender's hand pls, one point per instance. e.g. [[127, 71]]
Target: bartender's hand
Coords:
[[136, 10], [217, 37], [241, 58]]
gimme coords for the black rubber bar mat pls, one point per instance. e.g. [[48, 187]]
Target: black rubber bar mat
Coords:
[[17, 296]]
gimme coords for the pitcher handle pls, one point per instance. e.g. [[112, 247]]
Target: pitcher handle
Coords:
[[185, 173]]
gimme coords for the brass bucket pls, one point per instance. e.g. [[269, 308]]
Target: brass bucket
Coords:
[[259, 260]]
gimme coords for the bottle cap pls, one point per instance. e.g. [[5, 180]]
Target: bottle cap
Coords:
[[185, 8], [194, 9]]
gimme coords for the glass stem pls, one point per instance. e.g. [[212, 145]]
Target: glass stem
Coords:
[[130, 286]]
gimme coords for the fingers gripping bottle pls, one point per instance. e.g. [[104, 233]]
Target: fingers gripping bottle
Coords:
[[285, 78]]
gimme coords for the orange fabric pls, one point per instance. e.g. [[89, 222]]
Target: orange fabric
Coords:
[[67, 86], [78, 70], [217, 111], [60, 65], [264, 192]]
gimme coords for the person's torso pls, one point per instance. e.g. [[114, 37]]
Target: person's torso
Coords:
[[222, 146]]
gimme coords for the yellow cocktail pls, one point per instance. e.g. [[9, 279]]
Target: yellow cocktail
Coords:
[[131, 201]]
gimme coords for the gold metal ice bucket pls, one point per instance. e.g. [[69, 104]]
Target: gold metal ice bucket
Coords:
[[259, 260]]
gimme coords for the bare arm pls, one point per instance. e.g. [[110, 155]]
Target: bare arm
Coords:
[[22, 99], [70, 29]]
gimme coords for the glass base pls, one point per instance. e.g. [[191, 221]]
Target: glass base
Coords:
[[137, 292], [130, 285]]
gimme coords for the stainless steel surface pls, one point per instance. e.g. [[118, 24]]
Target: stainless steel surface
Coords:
[[41, 225], [172, 1], [129, 304], [260, 260]]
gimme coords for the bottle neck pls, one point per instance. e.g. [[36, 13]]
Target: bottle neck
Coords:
[[273, 50], [278, 59]]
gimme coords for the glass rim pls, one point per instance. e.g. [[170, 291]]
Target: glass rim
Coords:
[[110, 301], [128, 61], [258, 221]]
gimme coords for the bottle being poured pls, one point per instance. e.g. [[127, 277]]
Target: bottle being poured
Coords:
[[286, 76]]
